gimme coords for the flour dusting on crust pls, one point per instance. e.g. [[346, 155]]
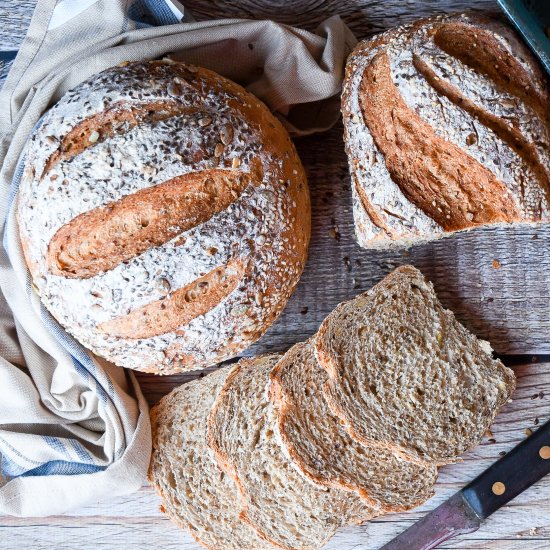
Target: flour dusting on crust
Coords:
[[383, 214], [267, 226]]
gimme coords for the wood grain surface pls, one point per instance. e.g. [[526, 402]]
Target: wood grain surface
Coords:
[[496, 280]]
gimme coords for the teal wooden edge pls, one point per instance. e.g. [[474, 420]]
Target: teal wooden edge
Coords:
[[532, 19]]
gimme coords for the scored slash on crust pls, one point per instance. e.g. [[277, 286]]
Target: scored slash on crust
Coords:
[[102, 238], [117, 120], [435, 175], [180, 307]]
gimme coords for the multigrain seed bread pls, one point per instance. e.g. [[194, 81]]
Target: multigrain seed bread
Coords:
[[285, 507], [164, 215], [278, 452], [447, 127], [405, 375], [195, 493], [320, 446]]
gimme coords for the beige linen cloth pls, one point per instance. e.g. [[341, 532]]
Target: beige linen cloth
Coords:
[[73, 428]]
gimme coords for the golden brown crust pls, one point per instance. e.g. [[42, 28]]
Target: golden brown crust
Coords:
[[488, 56], [117, 120], [437, 176], [103, 238], [181, 307], [509, 134]]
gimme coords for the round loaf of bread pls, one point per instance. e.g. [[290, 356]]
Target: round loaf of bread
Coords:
[[164, 215]]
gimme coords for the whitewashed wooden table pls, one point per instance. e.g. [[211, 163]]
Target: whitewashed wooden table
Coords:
[[495, 280]]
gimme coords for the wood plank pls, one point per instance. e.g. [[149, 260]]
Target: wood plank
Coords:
[[15, 16]]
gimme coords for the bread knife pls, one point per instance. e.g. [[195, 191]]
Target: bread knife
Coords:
[[463, 513]]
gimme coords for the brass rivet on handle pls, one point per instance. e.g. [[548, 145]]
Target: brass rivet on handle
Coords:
[[545, 452], [498, 488]]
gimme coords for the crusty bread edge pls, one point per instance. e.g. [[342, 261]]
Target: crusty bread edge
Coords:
[[298, 192], [223, 460], [153, 415], [284, 410]]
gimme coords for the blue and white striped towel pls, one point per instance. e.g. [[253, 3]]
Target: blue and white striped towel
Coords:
[[74, 428]]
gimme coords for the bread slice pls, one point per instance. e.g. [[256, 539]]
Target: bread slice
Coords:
[[320, 446], [405, 375], [195, 493], [283, 505]]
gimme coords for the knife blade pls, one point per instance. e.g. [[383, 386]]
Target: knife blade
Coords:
[[464, 512]]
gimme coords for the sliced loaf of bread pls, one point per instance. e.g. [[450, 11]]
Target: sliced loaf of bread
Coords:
[[447, 128], [283, 505], [318, 443], [404, 374], [195, 492]]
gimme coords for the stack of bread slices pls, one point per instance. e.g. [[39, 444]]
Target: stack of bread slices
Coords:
[[280, 451]]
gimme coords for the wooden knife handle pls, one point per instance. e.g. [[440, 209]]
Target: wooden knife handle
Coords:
[[512, 474]]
